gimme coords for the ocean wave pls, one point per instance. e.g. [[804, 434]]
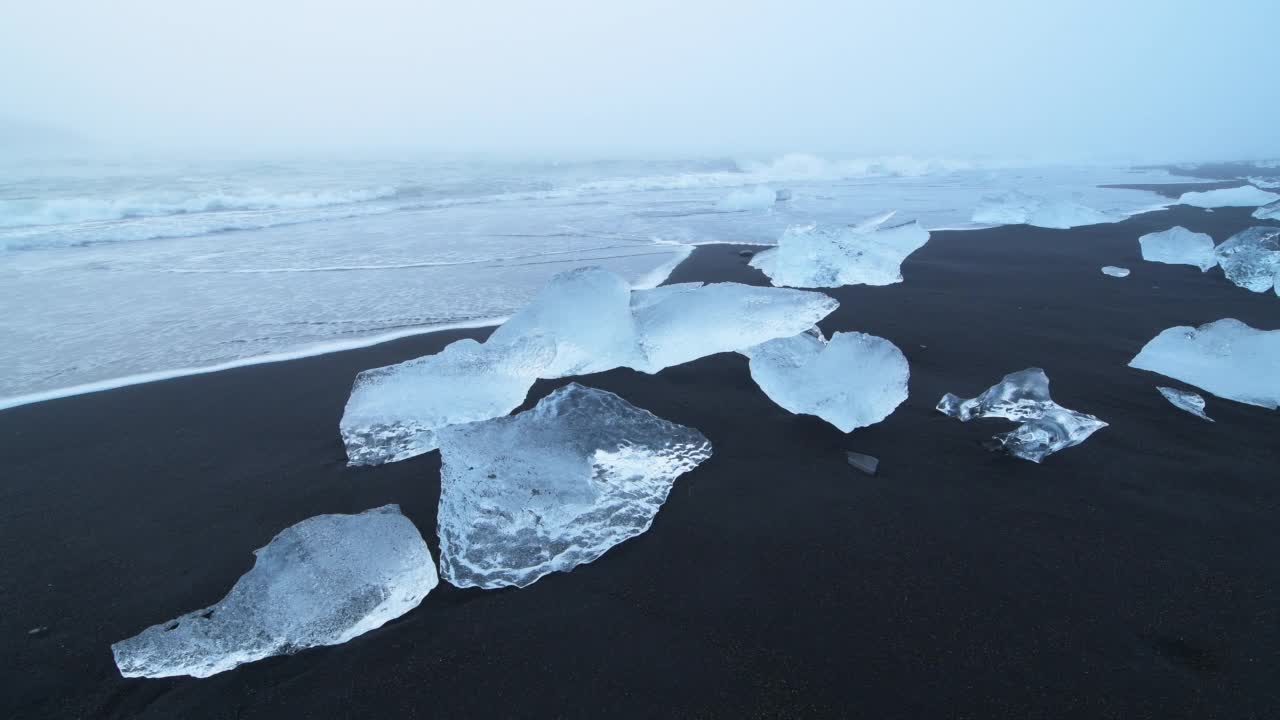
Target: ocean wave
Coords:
[[75, 210]]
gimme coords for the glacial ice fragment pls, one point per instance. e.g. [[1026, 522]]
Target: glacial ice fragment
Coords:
[[323, 581], [1185, 400], [680, 323], [866, 464], [760, 197], [394, 411], [555, 486], [1243, 196], [587, 314], [1018, 208], [1251, 258], [866, 254], [1268, 212], [1046, 427], [852, 381], [1179, 246], [1225, 357], [1114, 271]]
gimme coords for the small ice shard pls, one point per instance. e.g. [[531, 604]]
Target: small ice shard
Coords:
[[810, 256], [1243, 196], [323, 581], [1046, 427], [1179, 246], [394, 411], [760, 197], [587, 313], [852, 381], [1114, 271], [1018, 208], [1268, 212], [680, 323], [1225, 357], [555, 486], [865, 463], [1185, 400], [1251, 258]]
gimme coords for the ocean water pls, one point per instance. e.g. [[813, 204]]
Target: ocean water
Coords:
[[125, 270]]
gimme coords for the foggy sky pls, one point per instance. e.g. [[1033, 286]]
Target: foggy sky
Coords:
[[1088, 79]]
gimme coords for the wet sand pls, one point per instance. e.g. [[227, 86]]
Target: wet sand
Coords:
[[1132, 576]]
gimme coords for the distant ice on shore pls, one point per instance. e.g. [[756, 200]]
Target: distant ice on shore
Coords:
[[868, 253], [1243, 196]]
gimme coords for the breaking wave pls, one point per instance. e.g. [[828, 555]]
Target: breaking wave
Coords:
[[72, 210]]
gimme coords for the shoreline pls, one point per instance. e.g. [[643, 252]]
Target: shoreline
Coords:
[[1125, 577], [653, 278]]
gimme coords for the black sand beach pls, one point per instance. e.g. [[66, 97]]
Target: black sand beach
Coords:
[[1134, 576]]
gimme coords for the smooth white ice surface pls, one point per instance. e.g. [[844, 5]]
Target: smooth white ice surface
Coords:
[[1226, 357], [555, 486], [1179, 246], [1185, 400], [1243, 196], [394, 412], [852, 381], [1251, 258], [321, 582], [870, 253], [1018, 208], [1114, 271], [1046, 427]]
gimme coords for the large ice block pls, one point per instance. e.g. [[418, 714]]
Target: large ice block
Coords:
[[1243, 196], [394, 411], [1046, 427], [760, 197], [587, 314], [865, 254], [321, 582], [1225, 357], [680, 323], [1251, 257], [1179, 246], [852, 381], [555, 486]]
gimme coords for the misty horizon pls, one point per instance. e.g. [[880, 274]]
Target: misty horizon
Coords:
[[1091, 82]]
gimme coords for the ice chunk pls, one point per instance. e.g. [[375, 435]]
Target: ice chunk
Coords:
[[1018, 208], [867, 254], [866, 464], [853, 381], [1268, 212], [587, 314], [680, 323], [1185, 400], [394, 411], [1114, 271], [1251, 258], [1243, 196], [555, 486], [1225, 357], [782, 195], [1179, 246], [320, 582], [759, 197], [1023, 396]]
